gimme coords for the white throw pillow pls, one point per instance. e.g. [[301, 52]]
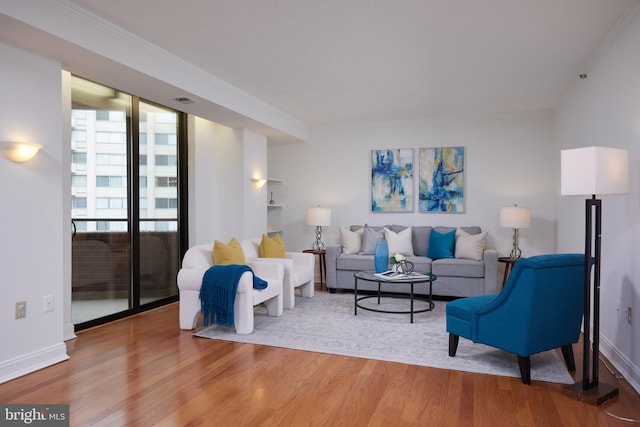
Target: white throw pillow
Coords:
[[470, 246], [351, 241], [399, 243]]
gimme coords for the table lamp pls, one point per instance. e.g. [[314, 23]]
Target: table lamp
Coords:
[[318, 217], [516, 218]]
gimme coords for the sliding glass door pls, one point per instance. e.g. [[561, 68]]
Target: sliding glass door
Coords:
[[157, 201], [125, 210]]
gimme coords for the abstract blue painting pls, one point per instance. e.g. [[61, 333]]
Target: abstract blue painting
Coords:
[[441, 175], [392, 180]]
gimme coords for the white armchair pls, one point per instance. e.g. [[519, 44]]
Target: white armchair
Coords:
[[299, 270], [197, 261]]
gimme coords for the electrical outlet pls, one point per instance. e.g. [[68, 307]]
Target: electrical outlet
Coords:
[[21, 309], [48, 303], [629, 315]]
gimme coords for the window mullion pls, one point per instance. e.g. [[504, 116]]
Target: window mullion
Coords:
[[133, 157]]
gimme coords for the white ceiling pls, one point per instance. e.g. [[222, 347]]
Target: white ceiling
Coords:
[[330, 61], [355, 61]]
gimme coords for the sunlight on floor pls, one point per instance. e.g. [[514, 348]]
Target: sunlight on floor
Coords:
[[83, 310]]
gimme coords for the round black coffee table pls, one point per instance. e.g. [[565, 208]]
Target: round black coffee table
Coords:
[[371, 276]]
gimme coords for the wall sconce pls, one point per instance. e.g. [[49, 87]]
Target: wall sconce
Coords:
[[259, 182], [19, 151]]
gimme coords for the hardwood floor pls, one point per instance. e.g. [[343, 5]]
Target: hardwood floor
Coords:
[[145, 371]]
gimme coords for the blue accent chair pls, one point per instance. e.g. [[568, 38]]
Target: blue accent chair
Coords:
[[540, 308]]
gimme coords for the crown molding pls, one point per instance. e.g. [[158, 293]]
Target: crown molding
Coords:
[[611, 37]]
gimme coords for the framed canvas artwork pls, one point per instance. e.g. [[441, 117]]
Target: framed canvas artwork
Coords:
[[441, 180], [392, 180]]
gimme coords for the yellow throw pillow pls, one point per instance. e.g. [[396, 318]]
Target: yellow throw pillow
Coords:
[[230, 253], [272, 247]]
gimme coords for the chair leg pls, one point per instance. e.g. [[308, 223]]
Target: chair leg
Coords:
[[567, 353], [307, 289], [525, 369], [243, 316], [274, 306], [453, 344]]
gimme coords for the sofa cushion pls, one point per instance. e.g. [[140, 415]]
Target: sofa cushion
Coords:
[[470, 230], [229, 253], [441, 245], [457, 267], [470, 246], [272, 247], [421, 234], [354, 262], [399, 243], [421, 264], [370, 239], [351, 241], [420, 239]]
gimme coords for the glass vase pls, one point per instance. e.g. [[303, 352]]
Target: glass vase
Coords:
[[381, 256]]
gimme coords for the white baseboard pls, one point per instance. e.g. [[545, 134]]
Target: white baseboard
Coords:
[[32, 362], [621, 363], [69, 332]]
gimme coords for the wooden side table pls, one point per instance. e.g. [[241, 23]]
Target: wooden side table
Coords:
[[509, 262], [323, 264]]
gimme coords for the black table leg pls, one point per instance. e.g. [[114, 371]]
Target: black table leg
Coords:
[[412, 303], [355, 296], [323, 271]]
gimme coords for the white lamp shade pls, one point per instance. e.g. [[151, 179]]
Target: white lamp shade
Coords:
[[594, 170], [515, 217], [318, 216]]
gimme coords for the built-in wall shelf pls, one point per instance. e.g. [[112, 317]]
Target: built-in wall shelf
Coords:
[[274, 205]]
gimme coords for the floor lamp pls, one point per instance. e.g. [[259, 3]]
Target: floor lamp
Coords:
[[593, 171]]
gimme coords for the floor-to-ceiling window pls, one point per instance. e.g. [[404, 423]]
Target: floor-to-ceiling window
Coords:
[[125, 203]]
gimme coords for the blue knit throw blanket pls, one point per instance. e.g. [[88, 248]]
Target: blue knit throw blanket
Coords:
[[218, 292]]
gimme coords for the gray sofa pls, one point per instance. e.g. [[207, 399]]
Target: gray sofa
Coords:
[[456, 277]]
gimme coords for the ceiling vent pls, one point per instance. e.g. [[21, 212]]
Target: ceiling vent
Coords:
[[184, 100]]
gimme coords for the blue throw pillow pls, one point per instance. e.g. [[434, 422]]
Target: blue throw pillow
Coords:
[[441, 245]]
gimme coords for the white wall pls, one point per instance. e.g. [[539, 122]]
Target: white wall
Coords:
[[69, 330], [32, 218], [255, 166], [509, 160], [604, 110], [222, 200], [215, 191]]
